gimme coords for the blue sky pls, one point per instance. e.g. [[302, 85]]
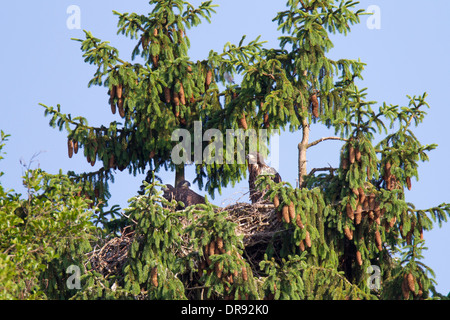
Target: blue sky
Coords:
[[40, 64]]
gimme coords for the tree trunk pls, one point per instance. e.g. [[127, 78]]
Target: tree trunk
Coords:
[[302, 146], [179, 174]]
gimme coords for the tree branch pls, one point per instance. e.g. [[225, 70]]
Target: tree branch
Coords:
[[322, 169], [312, 144]]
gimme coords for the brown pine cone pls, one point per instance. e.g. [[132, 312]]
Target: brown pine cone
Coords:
[[408, 182], [308, 239], [378, 240], [285, 213], [243, 122], [119, 91], [359, 258], [357, 155], [315, 105], [358, 214], [154, 276], [351, 154], [411, 282], [348, 233], [182, 96], [70, 147], [292, 211], [276, 201], [350, 212], [208, 79]]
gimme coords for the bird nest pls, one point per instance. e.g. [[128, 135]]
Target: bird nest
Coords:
[[111, 257], [256, 223]]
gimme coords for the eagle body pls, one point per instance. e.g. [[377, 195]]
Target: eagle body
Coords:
[[182, 193], [256, 167]]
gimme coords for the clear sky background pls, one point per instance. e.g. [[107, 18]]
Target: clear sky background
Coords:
[[40, 64]]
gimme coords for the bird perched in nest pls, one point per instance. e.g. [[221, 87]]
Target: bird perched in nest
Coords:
[[256, 167], [182, 193]]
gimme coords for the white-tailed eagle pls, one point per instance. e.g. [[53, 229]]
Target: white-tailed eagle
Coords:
[[256, 167], [182, 193]]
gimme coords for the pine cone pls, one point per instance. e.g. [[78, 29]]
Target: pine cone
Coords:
[[348, 233], [285, 213], [75, 147], [119, 91], [378, 240], [358, 214], [208, 79], [350, 212], [362, 195], [120, 106], [408, 182], [182, 96], [302, 246], [176, 99], [212, 248], [315, 105], [292, 211], [392, 222], [266, 120], [308, 239], [299, 221], [357, 155], [359, 258], [411, 283], [154, 276], [70, 147], [112, 92], [351, 154], [276, 201], [243, 122]]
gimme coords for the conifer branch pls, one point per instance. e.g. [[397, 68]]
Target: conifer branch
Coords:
[[322, 169], [312, 144]]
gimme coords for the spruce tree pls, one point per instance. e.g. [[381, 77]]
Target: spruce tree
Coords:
[[338, 225]]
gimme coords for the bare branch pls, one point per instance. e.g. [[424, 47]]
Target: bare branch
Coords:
[[322, 169], [312, 144]]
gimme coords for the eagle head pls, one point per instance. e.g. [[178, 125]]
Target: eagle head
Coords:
[[255, 158], [167, 187], [184, 184]]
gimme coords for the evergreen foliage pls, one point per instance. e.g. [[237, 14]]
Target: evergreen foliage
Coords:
[[337, 224]]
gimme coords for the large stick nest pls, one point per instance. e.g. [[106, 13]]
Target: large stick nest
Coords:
[[257, 223]]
